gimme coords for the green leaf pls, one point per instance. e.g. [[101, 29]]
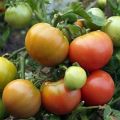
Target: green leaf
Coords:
[[116, 114], [107, 113]]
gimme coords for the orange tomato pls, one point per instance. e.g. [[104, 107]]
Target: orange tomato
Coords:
[[46, 44], [79, 23], [21, 98]]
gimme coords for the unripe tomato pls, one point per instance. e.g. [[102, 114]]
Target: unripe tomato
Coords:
[[75, 77], [21, 98], [7, 72], [18, 16], [92, 50], [112, 28], [57, 99], [98, 89], [2, 110], [101, 3], [46, 44]]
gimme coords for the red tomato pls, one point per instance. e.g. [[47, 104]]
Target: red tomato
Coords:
[[92, 51], [59, 100], [98, 89], [21, 98]]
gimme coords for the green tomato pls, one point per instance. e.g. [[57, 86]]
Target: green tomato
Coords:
[[101, 3], [112, 28], [7, 72], [2, 110], [75, 77], [18, 16]]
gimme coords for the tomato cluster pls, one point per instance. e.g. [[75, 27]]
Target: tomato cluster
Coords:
[[50, 47]]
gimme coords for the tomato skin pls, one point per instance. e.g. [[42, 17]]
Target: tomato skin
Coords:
[[79, 23], [98, 89], [7, 72], [18, 16], [75, 77], [92, 51], [24, 95], [46, 44], [59, 100]]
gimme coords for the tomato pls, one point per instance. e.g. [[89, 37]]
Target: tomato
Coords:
[[2, 6], [98, 89], [57, 99], [112, 28], [21, 98], [75, 77], [46, 44], [79, 23], [2, 110], [101, 3], [7, 72], [18, 16], [92, 50]]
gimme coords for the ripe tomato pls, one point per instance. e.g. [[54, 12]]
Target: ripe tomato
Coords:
[[75, 77], [18, 16], [112, 28], [7, 72], [98, 89], [21, 98], [46, 44], [2, 110], [92, 51], [59, 100]]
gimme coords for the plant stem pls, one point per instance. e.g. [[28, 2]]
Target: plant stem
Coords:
[[15, 52], [114, 101], [22, 65]]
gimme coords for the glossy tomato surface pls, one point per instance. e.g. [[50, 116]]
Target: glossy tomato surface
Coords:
[[46, 44], [18, 16], [59, 100], [98, 89], [7, 72], [92, 51], [21, 98]]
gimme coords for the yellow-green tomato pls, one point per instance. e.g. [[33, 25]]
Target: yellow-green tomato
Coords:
[[2, 110], [7, 72], [75, 77], [101, 3], [112, 28]]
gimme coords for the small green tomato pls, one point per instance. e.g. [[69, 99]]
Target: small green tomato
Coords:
[[75, 77]]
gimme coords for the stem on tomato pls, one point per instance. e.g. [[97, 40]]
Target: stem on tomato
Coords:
[[22, 65]]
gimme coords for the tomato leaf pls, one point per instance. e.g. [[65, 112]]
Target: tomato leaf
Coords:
[[107, 112], [78, 8]]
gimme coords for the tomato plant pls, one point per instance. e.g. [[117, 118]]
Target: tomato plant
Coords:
[[24, 95], [18, 16], [7, 72], [2, 6], [57, 99], [98, 89], [2, 109], [46, 44], [92, 51], [112, 28], [75, 77]]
